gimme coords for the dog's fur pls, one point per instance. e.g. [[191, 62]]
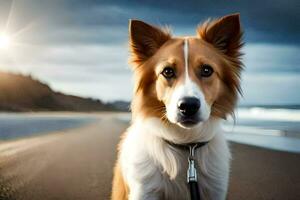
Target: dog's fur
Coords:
[[150, 168]]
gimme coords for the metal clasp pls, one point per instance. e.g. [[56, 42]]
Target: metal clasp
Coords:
[[192, 171]]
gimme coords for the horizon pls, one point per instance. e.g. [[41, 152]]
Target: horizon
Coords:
[[81, 48]]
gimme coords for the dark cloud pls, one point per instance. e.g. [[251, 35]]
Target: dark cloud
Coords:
[[91, 21], [264, 21]]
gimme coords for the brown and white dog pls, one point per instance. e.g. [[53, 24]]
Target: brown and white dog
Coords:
[[185, 87]]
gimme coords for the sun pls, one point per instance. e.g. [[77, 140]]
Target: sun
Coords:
[[5, 41]]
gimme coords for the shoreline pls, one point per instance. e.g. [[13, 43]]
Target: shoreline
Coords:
[[256, 136], [14, 126]]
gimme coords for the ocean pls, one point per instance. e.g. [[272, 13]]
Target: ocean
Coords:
[[277, 129], [20, 125]]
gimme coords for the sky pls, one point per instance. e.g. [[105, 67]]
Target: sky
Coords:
[[80, 47]]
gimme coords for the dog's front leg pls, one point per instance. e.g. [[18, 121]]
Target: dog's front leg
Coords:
[[146, 188], [143, 192]]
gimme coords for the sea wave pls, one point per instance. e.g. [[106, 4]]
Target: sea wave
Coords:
[[256, 113]]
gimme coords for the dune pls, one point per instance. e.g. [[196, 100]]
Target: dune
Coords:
[[24, 93]]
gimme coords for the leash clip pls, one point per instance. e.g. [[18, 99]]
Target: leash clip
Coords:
[[192, 172]]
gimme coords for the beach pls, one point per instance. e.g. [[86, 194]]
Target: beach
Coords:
[[77, 163]]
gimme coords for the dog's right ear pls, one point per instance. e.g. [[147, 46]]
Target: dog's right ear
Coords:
[[145, 40], [225, 34]]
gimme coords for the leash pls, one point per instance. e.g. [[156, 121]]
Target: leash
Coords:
[[192, 179]]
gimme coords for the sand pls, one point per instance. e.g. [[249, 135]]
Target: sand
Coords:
[[78, 163]]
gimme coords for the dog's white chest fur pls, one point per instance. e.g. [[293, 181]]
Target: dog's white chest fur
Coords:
[[155, 170]]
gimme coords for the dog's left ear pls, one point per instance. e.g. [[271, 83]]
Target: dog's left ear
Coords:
[[145, 40], [225, 34]]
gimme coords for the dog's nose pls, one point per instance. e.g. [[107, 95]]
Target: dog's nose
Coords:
[[188, 106]]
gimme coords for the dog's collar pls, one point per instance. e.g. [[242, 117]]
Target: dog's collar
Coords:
[[187, 146]]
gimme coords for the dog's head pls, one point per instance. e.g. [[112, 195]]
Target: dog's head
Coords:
[[186, 80]]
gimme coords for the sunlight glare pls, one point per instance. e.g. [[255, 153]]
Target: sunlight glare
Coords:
[[4, 41]]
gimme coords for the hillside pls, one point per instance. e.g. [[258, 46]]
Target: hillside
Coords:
[[23, 93]]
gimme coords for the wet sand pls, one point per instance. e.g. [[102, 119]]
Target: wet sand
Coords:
[[77, 164]]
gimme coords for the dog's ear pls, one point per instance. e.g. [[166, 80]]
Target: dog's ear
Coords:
[[145, 40], [225, 34]]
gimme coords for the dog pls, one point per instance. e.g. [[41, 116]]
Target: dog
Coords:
[[184, 89]]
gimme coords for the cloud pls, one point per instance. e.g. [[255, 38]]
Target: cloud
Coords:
[[271, 89], [263, 58], [271, 21], [76, 21], [107, 87], [70, 63]]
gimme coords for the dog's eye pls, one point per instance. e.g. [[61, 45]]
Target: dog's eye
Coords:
[[168, 73], [206, 70]]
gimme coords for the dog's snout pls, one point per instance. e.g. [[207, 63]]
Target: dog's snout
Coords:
[[188, 106]]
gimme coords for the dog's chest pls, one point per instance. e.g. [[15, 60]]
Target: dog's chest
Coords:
[[177, 188], [165, 173], [155, 170]]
